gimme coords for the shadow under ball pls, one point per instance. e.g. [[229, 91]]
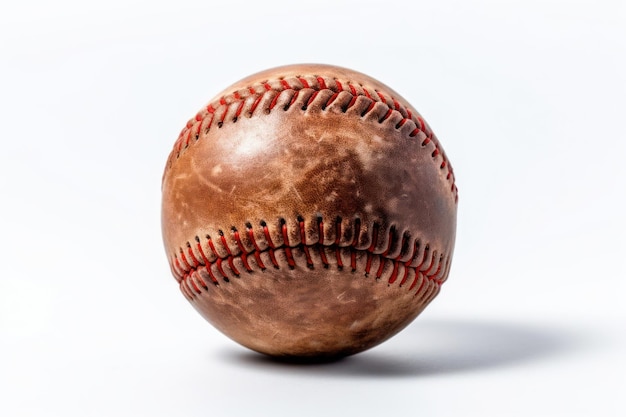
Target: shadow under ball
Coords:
[[309, 211]]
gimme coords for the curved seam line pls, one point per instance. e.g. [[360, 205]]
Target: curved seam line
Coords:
[[185, 274], [185, 134]]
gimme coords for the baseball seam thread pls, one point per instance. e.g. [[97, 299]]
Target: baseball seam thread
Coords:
[[190, 268], [217, 111]]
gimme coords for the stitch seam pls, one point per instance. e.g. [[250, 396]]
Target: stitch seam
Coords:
[[252, 98], [192, 269]]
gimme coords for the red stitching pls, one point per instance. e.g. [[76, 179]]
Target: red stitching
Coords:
[[386, 116], [330, 100], [290, 261], [219, 268], [242, 251], [210, 122], [183, 288], [178, 271], [266, 233], [389, 243], [293, 100], [239, 110], [229, 257], [396, 264], [401, 123], [257, 250], [273, 258], [311, 99], [422, 124], [320, 242], [211, 274], [271, 248], [352, 259], [432, 276], [193, 284], [354, 96], [302, 231], [394, 273], [357, 232], [202, 283], [199, 246], [417, 274], [240, 97], [381, 266], [382, 98], [338, 231], [432, 263], [251, 237], [212, 246], [193, 257], [257, 256], [403, 245], [305, 247], [371, 106], [182, 256], [370, 250], [231, 264], [255, 104], [221, 122], [224, 243], [337, 240], [407, 264], [418, 267], [195, 278], [273, 103], [379, 273], [206, 261], [189, 276]]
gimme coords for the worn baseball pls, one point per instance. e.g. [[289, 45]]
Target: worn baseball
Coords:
[[309, 211]]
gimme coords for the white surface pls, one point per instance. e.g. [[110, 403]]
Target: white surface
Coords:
[[528, 98]]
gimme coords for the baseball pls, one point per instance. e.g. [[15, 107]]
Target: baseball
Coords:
[[309, 211]]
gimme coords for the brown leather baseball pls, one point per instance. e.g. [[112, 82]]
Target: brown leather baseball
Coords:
[[309, 211]]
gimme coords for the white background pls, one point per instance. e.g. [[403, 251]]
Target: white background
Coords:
[[528, 98]]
